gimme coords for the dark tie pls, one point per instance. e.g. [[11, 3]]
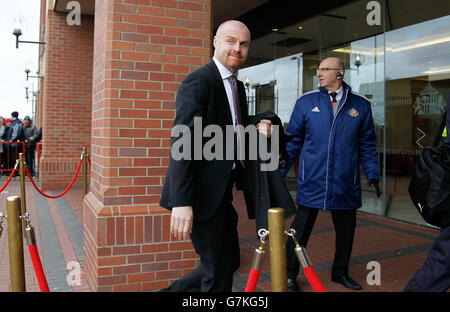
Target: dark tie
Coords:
[[233, 81], [333, 95], [237, 112]]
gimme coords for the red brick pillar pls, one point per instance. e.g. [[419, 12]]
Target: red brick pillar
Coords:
[[38, 121], [143, 50], [65, 111]]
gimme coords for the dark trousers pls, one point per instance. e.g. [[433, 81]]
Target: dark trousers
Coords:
[[13, 154], [344, 226], [217, 243], [29, 157], [434, 275], [4, 157]]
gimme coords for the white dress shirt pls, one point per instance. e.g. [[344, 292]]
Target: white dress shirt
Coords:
[[225, 73], [339, 95]]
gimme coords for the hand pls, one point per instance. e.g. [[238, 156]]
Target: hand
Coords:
[[376, 185], [181, 222], [265, 127]]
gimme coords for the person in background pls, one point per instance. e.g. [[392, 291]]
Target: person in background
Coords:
[[35, 139], [15, 134], [2, 147], [30, 145], [7, 125], [5, 153], [333, 132], [434, 275]]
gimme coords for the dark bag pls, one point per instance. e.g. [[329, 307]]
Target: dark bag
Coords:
[[430, 184]]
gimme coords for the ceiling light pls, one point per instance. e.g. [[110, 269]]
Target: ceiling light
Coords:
[[420, 44], [356, 51], [437, 71]]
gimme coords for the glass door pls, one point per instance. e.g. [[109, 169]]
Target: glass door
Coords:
[[417, 91]]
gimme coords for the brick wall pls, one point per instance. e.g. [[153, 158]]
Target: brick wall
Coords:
[[41, 82], [65, 112], [143, 50]]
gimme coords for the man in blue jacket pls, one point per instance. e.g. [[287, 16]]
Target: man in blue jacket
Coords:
[[332, 130], [15, 134]]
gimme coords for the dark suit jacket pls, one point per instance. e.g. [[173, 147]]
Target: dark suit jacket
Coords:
[[201, 183], [267, 189]]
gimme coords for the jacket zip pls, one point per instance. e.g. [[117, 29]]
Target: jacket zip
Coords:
[[328, 153], [303, 170]]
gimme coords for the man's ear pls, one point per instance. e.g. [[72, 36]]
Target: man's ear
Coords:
[[215, 41]]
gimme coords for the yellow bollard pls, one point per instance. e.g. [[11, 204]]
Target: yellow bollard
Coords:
[[277, 243], [23, 198], [85, 186], [15, 242]]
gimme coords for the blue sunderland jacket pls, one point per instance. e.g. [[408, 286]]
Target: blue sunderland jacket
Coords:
[[332, 149]]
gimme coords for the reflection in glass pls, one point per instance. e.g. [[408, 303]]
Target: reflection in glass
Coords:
[[404, 73]]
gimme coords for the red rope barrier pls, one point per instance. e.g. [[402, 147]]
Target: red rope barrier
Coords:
[[252, 280], [257, 262], [64, 192], [313, 279], [9, 180], [38, 268], [311, 275]]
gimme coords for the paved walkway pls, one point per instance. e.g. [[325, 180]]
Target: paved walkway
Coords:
[[59, 237], [399, 248]]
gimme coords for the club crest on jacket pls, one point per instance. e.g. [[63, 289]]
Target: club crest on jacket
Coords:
[[353, 112]]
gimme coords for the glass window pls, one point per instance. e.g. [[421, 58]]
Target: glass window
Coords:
[[417, 90], [402, 65]]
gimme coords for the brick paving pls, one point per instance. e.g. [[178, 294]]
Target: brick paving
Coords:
[[400, 248], [56, 277]]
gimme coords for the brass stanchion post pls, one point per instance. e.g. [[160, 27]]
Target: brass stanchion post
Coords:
[[15, 242], [85, 187], [2, 218], [23, 198], [277, 243]]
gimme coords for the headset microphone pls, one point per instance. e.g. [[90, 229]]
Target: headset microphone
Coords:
[[339, 74]]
